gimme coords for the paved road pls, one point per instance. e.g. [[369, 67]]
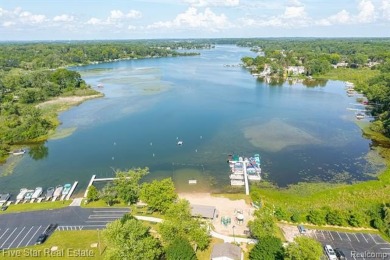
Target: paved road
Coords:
[[22, 229]]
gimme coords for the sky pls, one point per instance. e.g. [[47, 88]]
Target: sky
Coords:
[[160, 19]]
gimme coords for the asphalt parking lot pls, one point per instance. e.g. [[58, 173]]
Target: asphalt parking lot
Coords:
[[354, 245], [22, 229]]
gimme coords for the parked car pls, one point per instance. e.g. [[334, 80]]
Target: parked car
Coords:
[[330, 252], [41, 239], [50, 229], [340, 254], [302, 229]]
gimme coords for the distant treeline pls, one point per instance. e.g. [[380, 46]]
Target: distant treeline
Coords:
[[32, 56]]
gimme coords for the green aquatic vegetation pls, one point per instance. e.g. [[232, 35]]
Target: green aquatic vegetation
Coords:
[[276, 135], [63, 133]]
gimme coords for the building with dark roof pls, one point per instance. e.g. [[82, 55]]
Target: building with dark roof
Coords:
[[226, 251], [204, 211]]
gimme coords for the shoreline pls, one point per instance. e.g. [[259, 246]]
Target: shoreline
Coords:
[[54, 107]]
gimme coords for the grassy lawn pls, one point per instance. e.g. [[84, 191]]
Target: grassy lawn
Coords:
[[46, 205], [69, 243], [347, 74]]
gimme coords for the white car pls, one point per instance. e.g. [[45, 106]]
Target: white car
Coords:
[[330, 252]]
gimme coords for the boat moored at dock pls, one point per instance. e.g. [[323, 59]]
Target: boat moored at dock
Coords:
[[242, 168], [38, 192], [21, 194], [58, 191], [66, 189], [49, 192]]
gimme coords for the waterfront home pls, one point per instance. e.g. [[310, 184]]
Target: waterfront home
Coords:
[[295, 70]]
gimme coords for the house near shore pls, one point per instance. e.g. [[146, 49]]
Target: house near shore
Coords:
[[340, 65], [295, 70], [226, 251]]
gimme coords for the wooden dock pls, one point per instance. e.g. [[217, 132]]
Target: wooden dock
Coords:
[[89, 184], [71, 190]]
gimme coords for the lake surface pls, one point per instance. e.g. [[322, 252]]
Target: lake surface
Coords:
[[301, 133]]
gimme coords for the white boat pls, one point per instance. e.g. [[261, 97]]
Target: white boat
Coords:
[[21, 194], [66, 189], [180, 143], [19, 152], [49, 192], [38, 192], [360, 115], [58, 191], [28, 194]]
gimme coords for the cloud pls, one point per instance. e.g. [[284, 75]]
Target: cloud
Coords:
[[7, 24], [204, 3], [366, 11], [63, 18], [294, 15], [342, 17], [29, 18], [366, 14], [191, 18], [116, 18], [385, 9], [94, 21]]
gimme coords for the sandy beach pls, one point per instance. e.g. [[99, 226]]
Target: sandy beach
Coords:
[[225, 208], [73, 100]]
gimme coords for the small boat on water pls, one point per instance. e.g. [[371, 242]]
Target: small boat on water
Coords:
[[38, 192], [49, 192], [21, 194], [180, 143], [28, 195], [66, 189], [19, 152], [360, 115], [58, 190]]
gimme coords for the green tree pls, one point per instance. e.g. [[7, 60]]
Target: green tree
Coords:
[[180, 224], [268, 248], [159, 195], [303, 248], [127, 184], [264, 223], [180, 249], [92, 194], [335, 217], [317, 217], [130, 239], [108, 194]]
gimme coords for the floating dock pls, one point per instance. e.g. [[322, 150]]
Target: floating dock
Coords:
[[243, 170]]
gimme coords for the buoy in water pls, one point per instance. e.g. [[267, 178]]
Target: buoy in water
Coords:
[[112, 158]]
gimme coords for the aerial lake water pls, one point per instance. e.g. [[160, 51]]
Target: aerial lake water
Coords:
[[302, 133]]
